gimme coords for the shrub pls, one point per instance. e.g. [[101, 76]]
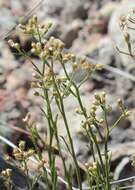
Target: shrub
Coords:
[[52, 88]]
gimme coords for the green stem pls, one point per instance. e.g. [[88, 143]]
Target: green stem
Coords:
[[91, 132], [67, 128], [108, 186], [63, 161], [85, 114]]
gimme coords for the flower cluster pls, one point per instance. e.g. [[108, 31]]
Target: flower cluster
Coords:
[[123, 22], [126, 23], [133, 161], [20, 153], [7, 176], [124, 110], [69, 57], [52, 49], [91, 168], [83, 64], [33, 28], [100, 101]]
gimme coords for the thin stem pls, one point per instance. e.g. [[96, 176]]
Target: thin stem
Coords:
[[117, 122], [55, 128], [108, 186], [91, 132], [67, 127], [63, 161], [85, 114]]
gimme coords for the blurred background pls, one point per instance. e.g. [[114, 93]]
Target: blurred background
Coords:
[[87, 27]]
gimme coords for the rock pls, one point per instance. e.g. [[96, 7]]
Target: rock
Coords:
[[121, 150], [7, 61], [11, 111], [19, 77], [14, 114], [70, 32], [124, 87], [18, 178], [75, 10], [126, 135], [21, 94], [105, 50], [86, 45], [82, 149], [7, 101], [99, 18], [99, 24], [124, 169], [51, 7], [4, 130], [107, 10]]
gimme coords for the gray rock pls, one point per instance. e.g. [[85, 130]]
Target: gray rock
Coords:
[[18, 178], [70, 32], [75, 10], [19, 77]]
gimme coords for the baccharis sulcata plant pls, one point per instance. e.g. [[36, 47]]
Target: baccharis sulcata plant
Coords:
[[53, 89]]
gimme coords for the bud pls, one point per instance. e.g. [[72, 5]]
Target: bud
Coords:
[[75, 66], [22, 145], [120, 103], [11, 43], [17, 46], [127, 113], [22, 27], [99, 66], [29, 153], [101, 120], [97, 97]]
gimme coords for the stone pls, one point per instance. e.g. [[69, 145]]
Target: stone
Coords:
[[7, 101], [70, 32], [7, 61], [18, 178], [86, 46], [19, 77], [75, 10]]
